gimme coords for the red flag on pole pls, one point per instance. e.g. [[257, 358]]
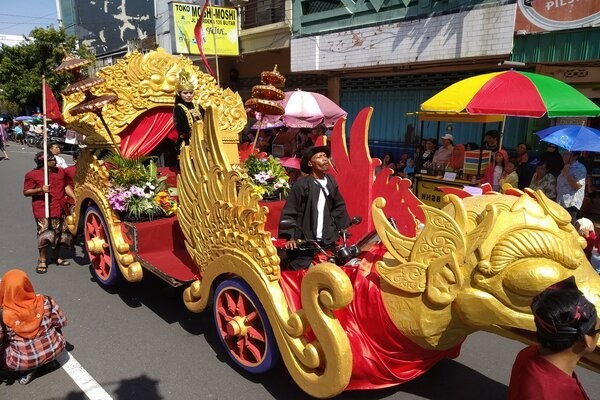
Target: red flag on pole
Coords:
[[52, 107], [199, 38]]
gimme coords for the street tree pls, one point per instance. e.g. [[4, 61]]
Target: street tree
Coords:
[[22, 66]]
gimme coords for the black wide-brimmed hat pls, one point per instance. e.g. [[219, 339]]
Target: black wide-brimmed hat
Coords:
[[309, 153]]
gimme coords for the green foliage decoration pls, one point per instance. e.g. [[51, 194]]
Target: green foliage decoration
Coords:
[[267, 175]]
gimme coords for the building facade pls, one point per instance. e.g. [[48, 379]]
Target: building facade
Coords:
[[394, 55]]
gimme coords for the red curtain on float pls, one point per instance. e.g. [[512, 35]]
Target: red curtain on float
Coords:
[[381, 355], [147, 131]]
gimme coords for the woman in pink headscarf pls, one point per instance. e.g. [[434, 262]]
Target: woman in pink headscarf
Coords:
[[493, 172]]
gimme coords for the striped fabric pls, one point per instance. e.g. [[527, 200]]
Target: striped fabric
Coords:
[[26, 354], [472, 161]]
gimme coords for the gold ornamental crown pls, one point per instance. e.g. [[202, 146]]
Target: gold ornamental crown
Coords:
[[185, 82]]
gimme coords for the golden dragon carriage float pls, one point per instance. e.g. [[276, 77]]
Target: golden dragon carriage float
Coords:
[[424, 280]]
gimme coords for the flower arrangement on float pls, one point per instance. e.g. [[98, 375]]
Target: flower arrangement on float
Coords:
[[268, 176], [136, 192]]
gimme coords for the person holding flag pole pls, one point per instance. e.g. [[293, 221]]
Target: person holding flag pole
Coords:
[[47, 186]]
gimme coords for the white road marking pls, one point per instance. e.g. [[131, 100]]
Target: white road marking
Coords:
[[82, 378]]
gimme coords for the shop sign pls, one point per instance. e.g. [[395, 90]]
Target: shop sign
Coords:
[[219, 30], [553, 15]]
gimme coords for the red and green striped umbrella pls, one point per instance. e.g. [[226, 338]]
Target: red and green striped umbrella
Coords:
[[516, 93]]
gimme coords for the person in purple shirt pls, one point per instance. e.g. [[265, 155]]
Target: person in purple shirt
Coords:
[[3, 140]]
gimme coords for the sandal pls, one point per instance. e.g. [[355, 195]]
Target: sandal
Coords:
[[26, 378], [60, 261], [41, 268]]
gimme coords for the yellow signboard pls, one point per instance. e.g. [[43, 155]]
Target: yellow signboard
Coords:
[[427, 190], [219, 29], [428, 193]]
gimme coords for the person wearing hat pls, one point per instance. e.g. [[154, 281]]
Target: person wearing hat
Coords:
[[567, 327], [185, 112], [52, 231], [442, 155], [316, 205]]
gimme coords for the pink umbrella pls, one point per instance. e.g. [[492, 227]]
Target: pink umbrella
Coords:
[[309, 109], [290, 162]]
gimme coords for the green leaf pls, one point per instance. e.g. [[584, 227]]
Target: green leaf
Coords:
[[22, 67]]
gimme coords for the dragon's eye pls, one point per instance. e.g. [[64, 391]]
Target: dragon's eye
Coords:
[[531, 276]]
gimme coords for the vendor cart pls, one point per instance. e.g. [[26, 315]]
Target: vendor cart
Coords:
[[428, 181]]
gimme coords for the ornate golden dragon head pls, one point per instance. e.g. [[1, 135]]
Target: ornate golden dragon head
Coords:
[[476, 265], [145, 82]]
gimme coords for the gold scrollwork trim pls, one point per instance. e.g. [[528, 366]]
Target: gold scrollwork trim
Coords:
[[91, 187]]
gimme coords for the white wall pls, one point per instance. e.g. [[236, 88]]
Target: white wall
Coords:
[[481, 32]]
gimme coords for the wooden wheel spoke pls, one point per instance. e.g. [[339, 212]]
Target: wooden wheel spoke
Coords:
[[230, 302], [223, 313], [254, 351], [240, 345], [256, 334], [242, 305], [252, 316]]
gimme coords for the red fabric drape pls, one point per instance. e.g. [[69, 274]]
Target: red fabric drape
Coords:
[[381, 355], [147, 131]]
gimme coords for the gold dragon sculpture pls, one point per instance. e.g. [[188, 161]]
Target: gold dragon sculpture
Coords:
[[477, 264], [144, 82]]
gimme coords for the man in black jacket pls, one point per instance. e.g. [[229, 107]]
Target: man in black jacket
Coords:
[[316, 205]]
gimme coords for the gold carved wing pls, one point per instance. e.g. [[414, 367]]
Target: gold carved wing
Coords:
[[224, 228]]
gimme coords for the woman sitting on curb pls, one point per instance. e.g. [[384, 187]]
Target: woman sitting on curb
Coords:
[[30, 327]]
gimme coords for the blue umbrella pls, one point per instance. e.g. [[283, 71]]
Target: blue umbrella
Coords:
[[572, 137], [24, 118]]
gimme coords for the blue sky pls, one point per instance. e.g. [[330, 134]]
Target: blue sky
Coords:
[[19, 17]]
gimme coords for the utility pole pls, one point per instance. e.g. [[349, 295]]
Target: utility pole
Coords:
[[59, 14]]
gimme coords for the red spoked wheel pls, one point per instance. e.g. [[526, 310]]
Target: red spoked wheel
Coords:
[[243, 327], [98, 246]]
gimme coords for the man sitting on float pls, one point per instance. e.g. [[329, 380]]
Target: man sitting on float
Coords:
[[316, 205]]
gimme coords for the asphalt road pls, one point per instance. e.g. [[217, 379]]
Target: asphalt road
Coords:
[[139, 342]]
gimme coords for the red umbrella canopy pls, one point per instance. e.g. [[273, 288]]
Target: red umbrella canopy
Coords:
[[514, 93], [309, 109]]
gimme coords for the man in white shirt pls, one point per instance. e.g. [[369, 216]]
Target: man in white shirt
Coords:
[[317, 207], [570, 184], [442, 155], [55, 150]]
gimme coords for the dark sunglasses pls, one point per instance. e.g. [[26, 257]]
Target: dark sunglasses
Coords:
[[593, 332]]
